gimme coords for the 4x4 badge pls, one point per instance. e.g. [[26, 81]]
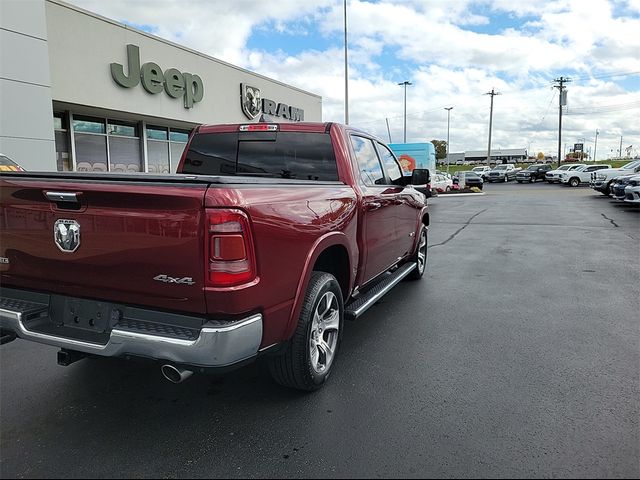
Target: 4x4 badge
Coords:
[[168, 279], [66, 235]]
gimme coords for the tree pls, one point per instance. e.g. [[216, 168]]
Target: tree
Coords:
[[441, 148]]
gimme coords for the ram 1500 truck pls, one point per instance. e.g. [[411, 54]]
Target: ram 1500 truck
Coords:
[[267, 239]]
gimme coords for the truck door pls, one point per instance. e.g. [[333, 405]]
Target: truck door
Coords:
[[378, 236], [406, 211]]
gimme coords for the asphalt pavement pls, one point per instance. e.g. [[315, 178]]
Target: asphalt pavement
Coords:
[[518, 355]]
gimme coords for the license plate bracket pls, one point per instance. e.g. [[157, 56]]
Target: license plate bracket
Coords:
[[80, 313]]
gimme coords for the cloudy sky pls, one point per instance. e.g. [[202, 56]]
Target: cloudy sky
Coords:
[[452, 51]]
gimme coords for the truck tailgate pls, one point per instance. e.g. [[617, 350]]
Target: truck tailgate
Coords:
[[140, 243]]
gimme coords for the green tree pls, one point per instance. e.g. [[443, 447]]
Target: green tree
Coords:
[[441, 148]]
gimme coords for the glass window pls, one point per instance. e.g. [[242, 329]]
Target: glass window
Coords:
[[368, 163], [59, 121], [124, 154], [91, 152], [212, 154], [176, 153], [88, 125], [157, 133], [390, 164], [63, 160], [179, 135], [158, 155], [122, 129], [302, 156]]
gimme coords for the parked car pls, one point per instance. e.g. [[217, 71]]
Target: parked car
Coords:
[[440, 183], [601, 180], [8, 165], [239, 255], [554, 176], [533, 173], [503, 173], [482, 171], [632, 191], [618, 186], [472, 179], [580, 175]]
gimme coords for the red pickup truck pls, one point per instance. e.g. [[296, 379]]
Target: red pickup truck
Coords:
[[269, 236]]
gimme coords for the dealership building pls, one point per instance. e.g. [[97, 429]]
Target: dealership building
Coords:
[[80, 92]]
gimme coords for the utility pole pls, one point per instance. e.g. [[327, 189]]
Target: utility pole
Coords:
[[405, 83], [388, 130], [492, 93], [595, 146], [346, 69], [448, 109], [620, 147], [562, 101]]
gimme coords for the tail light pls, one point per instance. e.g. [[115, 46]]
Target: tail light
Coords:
[[230, 254]]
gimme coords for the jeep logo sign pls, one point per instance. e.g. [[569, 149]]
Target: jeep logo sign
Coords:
[[252, 104], [154, 80]]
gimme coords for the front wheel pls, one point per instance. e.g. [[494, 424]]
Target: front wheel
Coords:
[[310, 354], [420, 257], [574, 182]]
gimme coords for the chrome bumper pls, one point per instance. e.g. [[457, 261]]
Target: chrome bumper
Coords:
[[215, 346]]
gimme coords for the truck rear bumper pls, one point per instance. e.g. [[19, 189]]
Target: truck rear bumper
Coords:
[[222, 344]]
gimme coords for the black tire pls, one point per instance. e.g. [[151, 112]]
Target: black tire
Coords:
[[294, 367], [574, 182], [519, 181], [506, 178], [531, 180], [418, 272]]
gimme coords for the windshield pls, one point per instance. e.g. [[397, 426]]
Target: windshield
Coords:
[[471, 174], [631, 165], [565, 167], [533, 167], [501, 167]]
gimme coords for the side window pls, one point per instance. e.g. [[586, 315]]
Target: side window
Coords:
[[590, 169], [390, 164], [368, 163]]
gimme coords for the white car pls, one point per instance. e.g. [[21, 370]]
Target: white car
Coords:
[[632, 191], [601, 180], [581, 174], [482, 171], [440, 183], [555, 175]]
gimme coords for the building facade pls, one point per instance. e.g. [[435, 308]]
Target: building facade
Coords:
[[81, 92]]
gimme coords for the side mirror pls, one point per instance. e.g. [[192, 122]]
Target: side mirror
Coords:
[[420, 176]]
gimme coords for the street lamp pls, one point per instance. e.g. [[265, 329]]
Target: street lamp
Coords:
[[405, 83], [448, 109], [595, 146]]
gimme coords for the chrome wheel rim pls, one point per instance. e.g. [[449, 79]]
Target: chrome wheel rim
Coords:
[[325, 328], [422, 253]]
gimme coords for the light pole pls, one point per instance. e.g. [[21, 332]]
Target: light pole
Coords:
[[493, 93], [346, 69], [595, 146], [448, 109], [405, 83]]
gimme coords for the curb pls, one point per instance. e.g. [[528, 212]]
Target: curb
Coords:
[[461, 195]]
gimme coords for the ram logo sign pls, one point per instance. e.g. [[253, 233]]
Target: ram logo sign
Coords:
[[253, 104]]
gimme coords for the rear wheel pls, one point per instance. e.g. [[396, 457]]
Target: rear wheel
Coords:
[[310, 355], [420, 257]]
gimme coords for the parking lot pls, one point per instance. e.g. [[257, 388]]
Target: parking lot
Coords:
[[518, 356]]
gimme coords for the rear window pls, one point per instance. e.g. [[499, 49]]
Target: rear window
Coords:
[[294, 155]]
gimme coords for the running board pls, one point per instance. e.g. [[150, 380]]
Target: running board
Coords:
[[365, 301]]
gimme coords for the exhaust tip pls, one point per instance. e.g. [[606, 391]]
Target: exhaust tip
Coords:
[[174, 374]]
